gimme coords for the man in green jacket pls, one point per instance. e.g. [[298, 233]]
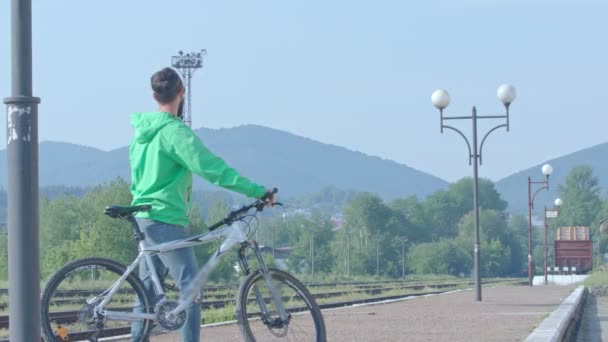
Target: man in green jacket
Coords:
[[163, 155]]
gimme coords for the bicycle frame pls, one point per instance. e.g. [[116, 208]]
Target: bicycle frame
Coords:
[[232, 236]]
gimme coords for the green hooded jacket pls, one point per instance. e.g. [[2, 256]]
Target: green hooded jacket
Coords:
[[163, 155]]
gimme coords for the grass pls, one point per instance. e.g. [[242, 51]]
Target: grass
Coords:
[[597, 279], [219, 315]]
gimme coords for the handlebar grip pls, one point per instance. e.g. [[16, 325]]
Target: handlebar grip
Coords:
[[269, 193]]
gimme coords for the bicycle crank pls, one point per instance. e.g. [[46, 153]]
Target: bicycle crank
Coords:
[[167, 319]]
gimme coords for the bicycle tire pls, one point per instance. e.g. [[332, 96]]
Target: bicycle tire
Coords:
[[306, 321], [59, 297]]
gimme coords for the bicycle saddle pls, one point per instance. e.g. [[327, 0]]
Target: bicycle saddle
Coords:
[[115, 211]]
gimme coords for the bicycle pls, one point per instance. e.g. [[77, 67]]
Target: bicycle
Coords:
[[270, 303]]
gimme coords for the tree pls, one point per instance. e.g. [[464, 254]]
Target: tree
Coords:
[[367, 228], [442, 214], [518, 241], [500, 244], [489, 198], [318, 228], [441, 257], [408, 214], [496, 259], [444, 209], [73, 227], [492, 226], [601, 235], [580, 195], [3, 257]]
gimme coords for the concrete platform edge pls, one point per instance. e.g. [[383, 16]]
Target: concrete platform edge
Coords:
[[554, 327]]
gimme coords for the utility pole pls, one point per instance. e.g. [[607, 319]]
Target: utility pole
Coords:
[[311, 249], [187, 65], [312, 252], [377, 257], [348, 254], [273, 241], [403, 241], [22, 194]]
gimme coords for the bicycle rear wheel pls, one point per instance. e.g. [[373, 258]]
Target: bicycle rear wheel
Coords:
[[305, 322], [69, 298]]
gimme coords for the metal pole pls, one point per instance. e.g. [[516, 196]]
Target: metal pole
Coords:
[[188, 117], [477, 251], [402, 259], [348, 254], [22, 189], [312, 241], [545, 245], [377, 257], [530, 270]]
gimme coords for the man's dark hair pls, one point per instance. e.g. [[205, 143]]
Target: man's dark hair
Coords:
[[166, 84]]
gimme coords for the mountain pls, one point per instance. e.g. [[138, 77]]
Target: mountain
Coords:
[[294, 164], [514, 188]]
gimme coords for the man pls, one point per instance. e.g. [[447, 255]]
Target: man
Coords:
[[163, 155]]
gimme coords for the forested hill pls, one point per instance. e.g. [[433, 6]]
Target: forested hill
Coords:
[[514, 189], [294, 164]]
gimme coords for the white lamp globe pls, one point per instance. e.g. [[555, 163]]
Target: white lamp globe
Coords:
[[558, 202], [506, 93], [440, 98], [547, 170]]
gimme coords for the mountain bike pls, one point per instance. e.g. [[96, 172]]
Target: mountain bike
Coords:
[[92, 298]]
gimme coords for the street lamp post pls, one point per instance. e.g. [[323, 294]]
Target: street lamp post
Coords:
[[547, 171], [440, 98], [550, 213], [23, 219]]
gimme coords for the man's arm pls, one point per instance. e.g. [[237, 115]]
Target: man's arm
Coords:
[[189, 151]]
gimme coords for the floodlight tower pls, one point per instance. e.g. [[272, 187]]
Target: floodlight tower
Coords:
[[187, 65]]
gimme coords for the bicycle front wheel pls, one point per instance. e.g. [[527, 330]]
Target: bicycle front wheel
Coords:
[[262, 322], [69, 298]]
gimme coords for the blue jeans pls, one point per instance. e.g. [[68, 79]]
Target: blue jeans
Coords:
[[182, 267]]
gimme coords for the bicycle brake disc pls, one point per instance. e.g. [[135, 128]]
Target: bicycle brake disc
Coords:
[[168, 320]]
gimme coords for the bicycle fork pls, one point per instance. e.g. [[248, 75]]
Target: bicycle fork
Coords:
[[275, 295]]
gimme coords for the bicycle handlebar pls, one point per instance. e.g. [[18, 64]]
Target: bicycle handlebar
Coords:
[[235, 215]]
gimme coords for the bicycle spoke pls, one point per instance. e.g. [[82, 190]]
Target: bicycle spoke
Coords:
[[70, 298], [303, 324]]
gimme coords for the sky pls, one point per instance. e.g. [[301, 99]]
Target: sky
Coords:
[[357, 74]]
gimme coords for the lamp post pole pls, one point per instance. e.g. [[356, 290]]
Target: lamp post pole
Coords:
[[22, 190], [441, 99], [550, 213], [547, 171]]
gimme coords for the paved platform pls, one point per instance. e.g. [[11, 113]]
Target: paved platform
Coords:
[[507, 313]]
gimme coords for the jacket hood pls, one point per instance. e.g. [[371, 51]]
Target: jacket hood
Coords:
[[146, 125]]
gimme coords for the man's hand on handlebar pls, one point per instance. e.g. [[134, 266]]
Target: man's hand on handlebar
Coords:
[[269, 197]]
